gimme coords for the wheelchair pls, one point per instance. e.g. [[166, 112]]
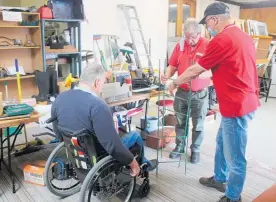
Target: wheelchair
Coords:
[[80, 162]]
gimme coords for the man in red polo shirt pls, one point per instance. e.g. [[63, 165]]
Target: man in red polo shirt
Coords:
[[231, 56], [186, 53]]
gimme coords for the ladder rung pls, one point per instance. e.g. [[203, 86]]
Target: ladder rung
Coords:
[[133, 18], [136, 30], [143, 42], [144, 54]]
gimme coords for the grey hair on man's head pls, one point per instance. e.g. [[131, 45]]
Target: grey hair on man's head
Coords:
[[92, 72], [191, 26]]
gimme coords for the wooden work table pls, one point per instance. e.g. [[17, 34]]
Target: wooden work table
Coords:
[[6, 124], [15, 122]]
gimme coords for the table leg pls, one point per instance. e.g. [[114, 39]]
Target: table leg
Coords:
[[9, 160], [146, 111], [15, 134], [1, 142], [25, 134]]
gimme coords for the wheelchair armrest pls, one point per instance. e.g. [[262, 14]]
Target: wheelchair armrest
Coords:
[[50, 120]]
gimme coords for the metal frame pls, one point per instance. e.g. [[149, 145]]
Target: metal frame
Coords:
[[185, 136], [75, 26], [10, 148]]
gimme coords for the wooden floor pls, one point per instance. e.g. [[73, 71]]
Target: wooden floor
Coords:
[[171, 184]]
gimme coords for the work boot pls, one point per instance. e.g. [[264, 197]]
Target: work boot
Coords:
[[195, 157], [225, 199], [43, 83], [177, 152], [53, 83], [210, 182]]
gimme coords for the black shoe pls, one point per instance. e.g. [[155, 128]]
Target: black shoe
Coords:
[[225, 199], [210, 182], [195, 157], [152, 165], [177, 152]]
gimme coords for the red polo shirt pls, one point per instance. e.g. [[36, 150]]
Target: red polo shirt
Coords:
[[184, 59], [232, 57]]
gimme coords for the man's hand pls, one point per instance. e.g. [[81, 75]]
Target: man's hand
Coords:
[[164, 79], [135, 168], [171, 88]]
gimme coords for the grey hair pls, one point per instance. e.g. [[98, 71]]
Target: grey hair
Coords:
[[192, 26], [92, 72]]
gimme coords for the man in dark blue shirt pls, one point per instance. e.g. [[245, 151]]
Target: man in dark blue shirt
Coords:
[[83, 108]]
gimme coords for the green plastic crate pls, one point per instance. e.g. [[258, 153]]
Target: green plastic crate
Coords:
[[18, 110], [12, 130]]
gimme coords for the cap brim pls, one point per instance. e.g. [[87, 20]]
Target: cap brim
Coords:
[[203, 21]]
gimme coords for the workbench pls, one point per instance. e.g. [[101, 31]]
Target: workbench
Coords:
[[6, 124]]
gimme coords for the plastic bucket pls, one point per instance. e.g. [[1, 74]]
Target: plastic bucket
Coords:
[[151, 124]]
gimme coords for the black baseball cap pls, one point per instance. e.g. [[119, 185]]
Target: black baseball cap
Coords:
[[216, 8]]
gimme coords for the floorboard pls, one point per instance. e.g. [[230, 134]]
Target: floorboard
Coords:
[[171, 184]]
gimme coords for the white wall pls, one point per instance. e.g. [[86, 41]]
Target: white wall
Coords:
[[201, 5], [105, 18]]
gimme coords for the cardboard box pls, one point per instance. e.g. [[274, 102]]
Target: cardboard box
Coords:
[[34, 173]]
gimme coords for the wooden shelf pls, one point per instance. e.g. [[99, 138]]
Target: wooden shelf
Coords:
[[14, 78], [67, 50], [24, 13], [30, 58], [19, 26], [18, 47]]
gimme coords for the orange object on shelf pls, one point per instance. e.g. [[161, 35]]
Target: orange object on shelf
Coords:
[[45, 12]]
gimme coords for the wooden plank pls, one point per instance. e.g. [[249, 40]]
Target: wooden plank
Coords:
[[14, 78], [16, 122], [266, 15]]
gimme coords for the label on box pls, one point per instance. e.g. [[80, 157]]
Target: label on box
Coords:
[[34, 174]]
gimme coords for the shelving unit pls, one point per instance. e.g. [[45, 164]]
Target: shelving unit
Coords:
[[71, 52], [30, 58]]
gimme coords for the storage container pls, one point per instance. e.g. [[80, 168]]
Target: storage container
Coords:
[[68, 9]]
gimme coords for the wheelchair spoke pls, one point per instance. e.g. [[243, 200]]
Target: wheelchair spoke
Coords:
[[111, 184], [62, 172]]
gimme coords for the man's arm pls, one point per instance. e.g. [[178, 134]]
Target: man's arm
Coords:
[[108, 137], [213, 56], [170, 71], [190, 74]]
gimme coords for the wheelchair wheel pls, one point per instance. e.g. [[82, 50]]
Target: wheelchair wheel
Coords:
[[59, 175], [144, 189], [108, 180]]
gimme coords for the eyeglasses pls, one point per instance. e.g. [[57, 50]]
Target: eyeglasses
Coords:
[[191, 36]]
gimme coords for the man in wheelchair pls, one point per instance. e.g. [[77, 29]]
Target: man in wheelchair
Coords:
[[82, 108]]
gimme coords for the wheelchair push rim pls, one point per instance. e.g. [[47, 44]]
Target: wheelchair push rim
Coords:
[[65, 174], [103, 183]]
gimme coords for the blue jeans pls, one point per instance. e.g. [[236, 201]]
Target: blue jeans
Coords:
[[230, 162], [132, 138]]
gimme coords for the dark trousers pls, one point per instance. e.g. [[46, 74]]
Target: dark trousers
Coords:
[[198, 112]]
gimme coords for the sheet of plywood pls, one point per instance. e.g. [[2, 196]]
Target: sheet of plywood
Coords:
[[266, 15]]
